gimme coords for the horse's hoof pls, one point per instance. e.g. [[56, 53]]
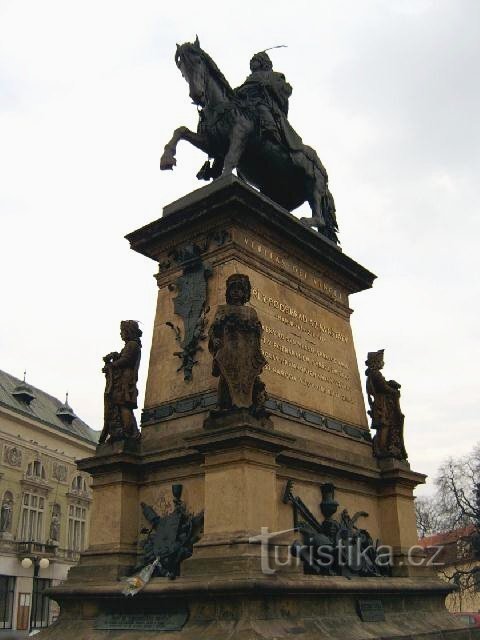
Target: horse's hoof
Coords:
[[167, 161], [205, 172], [307, 222]]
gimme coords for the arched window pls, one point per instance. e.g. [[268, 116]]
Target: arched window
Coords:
[[36, 470], [76, 528], [33, 508], [79, 484]]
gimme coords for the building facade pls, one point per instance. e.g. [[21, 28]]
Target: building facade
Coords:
[[456, 558], [44, 499]]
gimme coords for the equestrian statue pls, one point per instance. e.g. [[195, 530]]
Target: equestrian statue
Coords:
[[247, 129]]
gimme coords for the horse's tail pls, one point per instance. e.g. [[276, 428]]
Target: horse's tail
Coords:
[[329, 213], [313, 157], [328, 203]]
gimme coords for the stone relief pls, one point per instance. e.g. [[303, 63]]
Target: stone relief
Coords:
[[59, 472], [190, 304], [387, 417], [12, 456], [176, 256]]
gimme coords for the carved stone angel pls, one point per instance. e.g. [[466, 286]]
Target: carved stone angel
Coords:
[[234, 342], [387, 417]]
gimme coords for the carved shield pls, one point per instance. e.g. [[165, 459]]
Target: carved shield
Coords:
[[240, 362], [166, 534], [192, 294]]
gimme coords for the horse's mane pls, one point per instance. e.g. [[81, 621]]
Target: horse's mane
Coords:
[[216, 73], [211, 66]]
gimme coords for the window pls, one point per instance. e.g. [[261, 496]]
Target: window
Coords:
[[32, 518], [76, 527], [7, 590], [79, 485], [36, 470]]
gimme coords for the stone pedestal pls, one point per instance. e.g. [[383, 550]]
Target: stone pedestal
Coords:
[[233, 467]]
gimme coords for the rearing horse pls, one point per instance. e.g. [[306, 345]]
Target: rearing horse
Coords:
[[229, 133]]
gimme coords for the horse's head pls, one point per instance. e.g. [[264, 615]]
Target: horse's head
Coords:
[[201, 72]]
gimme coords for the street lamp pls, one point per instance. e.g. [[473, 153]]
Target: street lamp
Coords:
[[40, 563], [37, 563]]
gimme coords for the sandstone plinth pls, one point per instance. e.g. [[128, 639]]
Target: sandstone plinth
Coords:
[[236, 469]]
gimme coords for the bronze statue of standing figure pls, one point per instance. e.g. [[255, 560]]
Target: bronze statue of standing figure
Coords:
[[121, 393], [387, 417], [234, 342]]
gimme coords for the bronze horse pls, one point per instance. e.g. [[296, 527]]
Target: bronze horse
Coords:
[[228, 132]]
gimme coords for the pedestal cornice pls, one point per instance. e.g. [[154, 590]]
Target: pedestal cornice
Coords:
[[231, 197]]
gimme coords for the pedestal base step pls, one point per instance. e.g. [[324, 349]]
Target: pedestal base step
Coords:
[[266, 608]]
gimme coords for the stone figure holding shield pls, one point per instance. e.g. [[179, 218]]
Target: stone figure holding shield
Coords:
[[234, 342]]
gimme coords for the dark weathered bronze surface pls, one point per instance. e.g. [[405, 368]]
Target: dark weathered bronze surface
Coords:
[[191, 305], [171, 537], [248, 129], [387, 417], [234, 342], [333, 547], [121, 393]]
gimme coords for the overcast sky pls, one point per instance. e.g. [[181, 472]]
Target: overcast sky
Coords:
[[386, 92]]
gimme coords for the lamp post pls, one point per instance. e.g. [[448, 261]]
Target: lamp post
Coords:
[[37, 563]]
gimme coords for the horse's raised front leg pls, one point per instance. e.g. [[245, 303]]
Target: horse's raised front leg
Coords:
[[238, 141], [168, 160]]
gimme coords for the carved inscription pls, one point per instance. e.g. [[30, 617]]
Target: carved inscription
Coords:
[[302, 349], [288, 265], [165, 621]]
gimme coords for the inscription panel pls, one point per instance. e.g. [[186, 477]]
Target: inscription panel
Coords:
[[165, 621], [292, 267], [371, 610], [310, 352]]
